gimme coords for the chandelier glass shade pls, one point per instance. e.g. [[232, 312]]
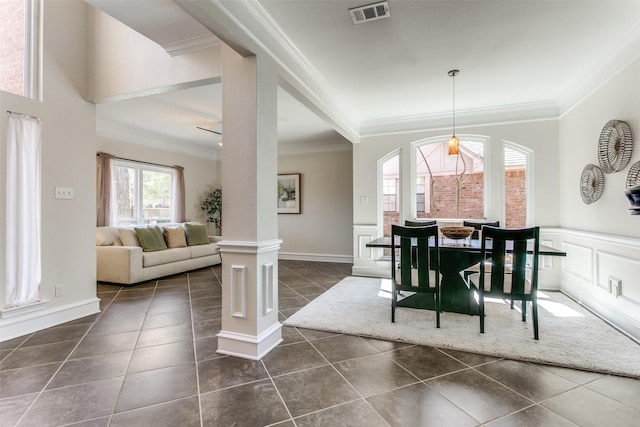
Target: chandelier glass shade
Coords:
[[454, 142], [454, 146]]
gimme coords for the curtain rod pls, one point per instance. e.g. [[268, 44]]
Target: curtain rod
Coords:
[[22, 114], [140, 161]]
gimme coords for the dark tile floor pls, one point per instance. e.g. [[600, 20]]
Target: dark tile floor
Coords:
[[149, 359]]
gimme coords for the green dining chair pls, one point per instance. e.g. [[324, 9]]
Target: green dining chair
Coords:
[[420, 274], [515, 282]]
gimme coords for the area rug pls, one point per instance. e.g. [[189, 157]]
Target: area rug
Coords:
[[570, 335]]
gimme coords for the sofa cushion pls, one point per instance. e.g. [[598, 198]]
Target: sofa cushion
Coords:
[[104, 237], [174, 237], [149, 259], [128, 237], [203, 250], [196, 234], [151, 239]]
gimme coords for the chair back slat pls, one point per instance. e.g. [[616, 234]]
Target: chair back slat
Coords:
[[420, 257], [498, 245]]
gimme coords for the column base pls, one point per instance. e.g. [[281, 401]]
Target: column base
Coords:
[[248, 346]]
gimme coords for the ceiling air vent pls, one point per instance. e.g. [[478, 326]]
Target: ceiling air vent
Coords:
[[370, 12]]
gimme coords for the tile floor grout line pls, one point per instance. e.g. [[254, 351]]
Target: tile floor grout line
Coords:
[[44, 387], [195, 353], [133, 351], [275, 387]]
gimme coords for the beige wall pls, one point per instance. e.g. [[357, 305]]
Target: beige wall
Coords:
[[323, 230], [121, 62], [68, 159], [618, 98]]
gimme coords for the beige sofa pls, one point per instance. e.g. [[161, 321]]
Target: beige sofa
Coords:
[[121, 258]]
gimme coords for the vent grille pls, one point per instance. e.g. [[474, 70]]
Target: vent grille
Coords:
[[370, 12]]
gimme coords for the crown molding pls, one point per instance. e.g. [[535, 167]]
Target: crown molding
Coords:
[[193, 44], [313, 147], [625, 52], [536, 111], [158, 142], [254, 22]]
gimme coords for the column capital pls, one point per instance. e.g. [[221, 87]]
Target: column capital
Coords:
[[249, 247]]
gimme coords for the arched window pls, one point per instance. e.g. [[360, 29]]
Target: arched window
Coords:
[[449, 186]]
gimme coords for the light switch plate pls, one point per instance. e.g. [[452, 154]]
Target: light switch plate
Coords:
[[63, 193]]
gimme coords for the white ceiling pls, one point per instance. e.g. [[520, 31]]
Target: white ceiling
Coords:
[[518, 60]]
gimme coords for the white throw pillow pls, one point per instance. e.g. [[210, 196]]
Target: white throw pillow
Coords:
[[104, 238]]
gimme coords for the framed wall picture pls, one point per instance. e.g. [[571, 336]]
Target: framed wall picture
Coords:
[[289, 193]]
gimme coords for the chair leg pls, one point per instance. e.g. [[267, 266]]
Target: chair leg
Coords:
[[524, 310], [481, 307], [534, 313], [393, 305], [437, 298]]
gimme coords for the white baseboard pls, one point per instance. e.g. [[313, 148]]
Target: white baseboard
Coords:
[[293, 256], [17, 326], [625, 324]]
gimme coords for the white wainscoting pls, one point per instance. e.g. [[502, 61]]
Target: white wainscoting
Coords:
[[592, 260], [366, 261]]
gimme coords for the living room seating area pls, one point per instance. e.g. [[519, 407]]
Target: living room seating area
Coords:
[[129, 255]]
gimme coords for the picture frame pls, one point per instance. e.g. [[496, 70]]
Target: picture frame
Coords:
[[289, 194]]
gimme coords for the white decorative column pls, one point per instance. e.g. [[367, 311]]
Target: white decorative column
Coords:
[[250, 326]]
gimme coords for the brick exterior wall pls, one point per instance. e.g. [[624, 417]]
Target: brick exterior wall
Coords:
[[471, 197], [471, 200], [516, 198], [12, 46]]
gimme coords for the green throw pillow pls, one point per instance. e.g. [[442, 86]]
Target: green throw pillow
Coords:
[[196, 234], [151, 239]]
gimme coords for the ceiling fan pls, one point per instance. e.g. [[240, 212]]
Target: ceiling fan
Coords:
[[209, 130]]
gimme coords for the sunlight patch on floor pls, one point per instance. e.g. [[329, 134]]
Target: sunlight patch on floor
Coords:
[[558, 309]]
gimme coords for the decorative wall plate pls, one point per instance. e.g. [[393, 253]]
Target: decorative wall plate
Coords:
[[591, 183], [633, 177], [615, 146]]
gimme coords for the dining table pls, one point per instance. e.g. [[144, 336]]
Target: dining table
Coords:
[[455, 257]]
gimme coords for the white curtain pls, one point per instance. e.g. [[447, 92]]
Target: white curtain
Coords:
[[23, 272]]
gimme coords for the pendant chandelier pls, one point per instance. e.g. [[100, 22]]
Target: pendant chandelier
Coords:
[[454, 142]]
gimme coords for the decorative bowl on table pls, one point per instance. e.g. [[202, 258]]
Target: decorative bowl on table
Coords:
[[456, 232]]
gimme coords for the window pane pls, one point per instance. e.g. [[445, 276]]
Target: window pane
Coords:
[[390, 196], [125, 178], [515, 189], [12, 48], [450, 186], [420, 195], [156, 196]]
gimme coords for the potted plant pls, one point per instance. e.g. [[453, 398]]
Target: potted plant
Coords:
[[212, 207]]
